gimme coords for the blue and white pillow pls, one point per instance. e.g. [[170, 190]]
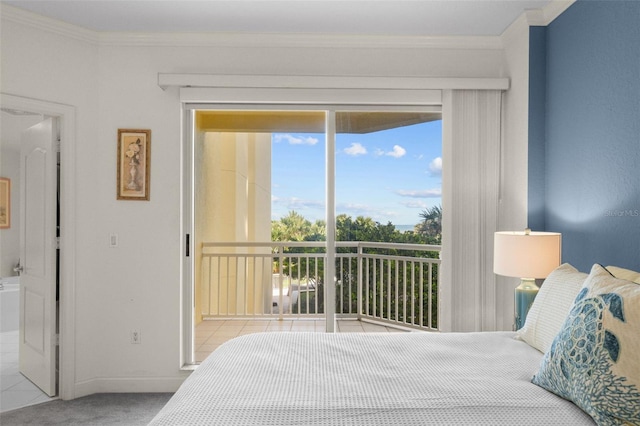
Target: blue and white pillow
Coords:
[[594, 360]]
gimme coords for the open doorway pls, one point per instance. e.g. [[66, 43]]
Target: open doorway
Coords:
[[53, 241], [29, 258]]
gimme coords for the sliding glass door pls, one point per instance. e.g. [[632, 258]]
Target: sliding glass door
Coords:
[[300, 178]]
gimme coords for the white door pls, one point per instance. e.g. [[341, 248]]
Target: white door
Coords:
[[38, 206]]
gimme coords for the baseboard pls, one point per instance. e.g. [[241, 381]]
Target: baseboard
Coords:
[[130, 385]]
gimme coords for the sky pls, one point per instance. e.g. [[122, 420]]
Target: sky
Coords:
[[390, 175]]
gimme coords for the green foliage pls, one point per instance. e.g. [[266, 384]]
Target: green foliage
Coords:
[[306, 303], [366, 229], [399, 300], [295, 227], [431, 225], [382, 298]]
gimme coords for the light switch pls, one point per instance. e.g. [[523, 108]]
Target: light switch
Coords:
[[113, 240]]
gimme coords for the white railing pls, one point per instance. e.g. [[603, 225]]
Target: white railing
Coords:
[[388, 282]]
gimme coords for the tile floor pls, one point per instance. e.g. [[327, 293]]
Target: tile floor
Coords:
[[16, 390], [212, 333]]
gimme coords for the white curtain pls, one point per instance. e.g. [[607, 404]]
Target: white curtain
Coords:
[[471, 185]]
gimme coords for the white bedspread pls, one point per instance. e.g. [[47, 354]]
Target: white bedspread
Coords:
[[369, 379]]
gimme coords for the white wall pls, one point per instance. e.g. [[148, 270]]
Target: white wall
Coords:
[[53, 67], [513, 207], [137, 285]]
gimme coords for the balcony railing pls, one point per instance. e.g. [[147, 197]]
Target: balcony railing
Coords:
[[387, 282]]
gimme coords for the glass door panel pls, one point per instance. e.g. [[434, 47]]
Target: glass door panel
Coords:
[[253, 171], [388, 181]]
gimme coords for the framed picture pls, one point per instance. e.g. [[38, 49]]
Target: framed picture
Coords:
[[5, 203], [134, 158]]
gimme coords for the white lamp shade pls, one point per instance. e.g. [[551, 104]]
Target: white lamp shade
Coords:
[[526, 255]]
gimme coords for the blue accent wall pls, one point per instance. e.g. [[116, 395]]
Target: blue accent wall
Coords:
[[537, 127], [591, 117]]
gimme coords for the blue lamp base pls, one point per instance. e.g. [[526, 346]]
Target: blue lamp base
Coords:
[[525, 294]]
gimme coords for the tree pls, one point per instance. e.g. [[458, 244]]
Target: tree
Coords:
[[294, 227], [431, 225]]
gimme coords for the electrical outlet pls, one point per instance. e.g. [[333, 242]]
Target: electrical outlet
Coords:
[[113, 240], [135, 337]]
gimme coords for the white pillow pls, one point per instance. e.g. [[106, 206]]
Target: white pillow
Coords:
[[551, 306], [624, 274]]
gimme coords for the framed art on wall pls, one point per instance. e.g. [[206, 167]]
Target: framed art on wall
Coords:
[[5, 203], [134, 161]]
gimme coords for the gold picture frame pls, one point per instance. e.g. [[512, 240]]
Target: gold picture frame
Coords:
[[5, 203], [134, 161]]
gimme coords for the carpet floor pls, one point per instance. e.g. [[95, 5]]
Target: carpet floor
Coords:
[[126, 409]]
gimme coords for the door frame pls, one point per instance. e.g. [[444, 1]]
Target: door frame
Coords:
[[432, 103], [66, 115]]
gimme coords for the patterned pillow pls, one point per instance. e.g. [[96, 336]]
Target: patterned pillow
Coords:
[[594, 360], [551, 306]]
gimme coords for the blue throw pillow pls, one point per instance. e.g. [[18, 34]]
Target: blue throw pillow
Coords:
[[594, 360]]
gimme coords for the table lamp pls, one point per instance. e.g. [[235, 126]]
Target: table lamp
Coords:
[[526, 255]]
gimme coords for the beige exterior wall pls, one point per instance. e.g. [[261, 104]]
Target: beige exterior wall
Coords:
[[232, 203]]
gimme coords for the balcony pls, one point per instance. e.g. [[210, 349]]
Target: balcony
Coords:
[[387, 283]]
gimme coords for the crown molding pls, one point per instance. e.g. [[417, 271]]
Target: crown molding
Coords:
[[535, 18], [517, 27], [271, 40], [23, 17], [298, 40], [554, 9], [545, 16]]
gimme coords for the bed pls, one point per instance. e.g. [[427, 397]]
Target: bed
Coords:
[[423, 378], [369, 379]]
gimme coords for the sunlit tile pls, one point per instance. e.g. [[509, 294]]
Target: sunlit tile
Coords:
[[218, 340], [258, 323], [235, 323], [208, 348], [350, 327], [253, 328], [201, 339], [228, 331], [201, 356]]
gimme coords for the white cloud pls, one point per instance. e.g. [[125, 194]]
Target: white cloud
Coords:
[[415, 204], [435, 167], [354, 210], [355, 149], [397, 152], [425, 193], [378, 152], [295, 140], [294, 203]]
